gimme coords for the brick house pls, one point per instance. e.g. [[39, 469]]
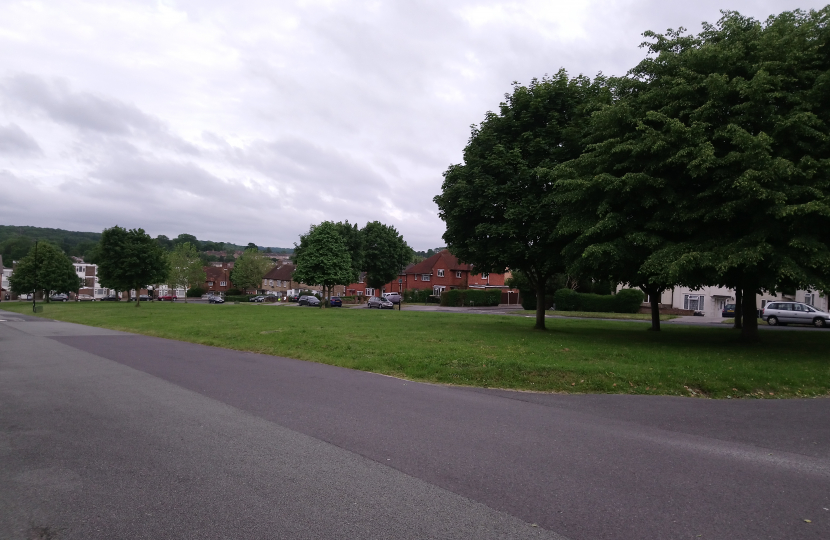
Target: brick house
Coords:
[[218, 278], [279, 281]]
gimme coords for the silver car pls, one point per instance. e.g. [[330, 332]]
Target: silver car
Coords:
[[783, 313], [380, 303]]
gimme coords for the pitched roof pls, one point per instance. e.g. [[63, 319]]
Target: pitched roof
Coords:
[[426, 266], [284, 272], [215, 273]]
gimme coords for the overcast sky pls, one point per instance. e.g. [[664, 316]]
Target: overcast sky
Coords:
[[247, 121]]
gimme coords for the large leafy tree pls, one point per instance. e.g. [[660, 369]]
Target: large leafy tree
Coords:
[[45, 268], [353, 240], [496, 204], [249, 268], [385, 253], [186, 268], [731, 130], [130, 259], [325, 258]]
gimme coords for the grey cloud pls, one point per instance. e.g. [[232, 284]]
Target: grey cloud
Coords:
[[15, 141]]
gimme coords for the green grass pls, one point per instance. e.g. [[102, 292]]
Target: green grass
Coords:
[[731, 320], [597, 315], [575, 355]]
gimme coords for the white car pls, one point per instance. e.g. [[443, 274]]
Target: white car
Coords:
[[783, 313]]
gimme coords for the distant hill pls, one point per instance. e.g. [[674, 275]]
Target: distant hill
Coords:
[[17, 240]]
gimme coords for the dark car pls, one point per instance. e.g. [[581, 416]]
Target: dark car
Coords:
[[293, 298], [379, 303], [309, 300], [256, 299], [336, 302], [110, 298], [59, 298], [216, 300], [728, 310], [142, 297]]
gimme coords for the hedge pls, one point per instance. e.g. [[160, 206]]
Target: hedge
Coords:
[[471, 297], [195, 292], [529, 300], [238, 297], [417, 295], [625, 301]]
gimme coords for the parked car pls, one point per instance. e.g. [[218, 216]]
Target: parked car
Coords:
[[336, 302], [293, 298], [783, 313], [380, 303], [393, 297], [256, 299], [59, 298], [167, 298], [110, 298], [312, 301], [728, 310], [142, 297], [85, 298], [216, 300], [306, 298]]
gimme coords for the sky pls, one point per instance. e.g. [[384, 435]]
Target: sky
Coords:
[[248, 121]]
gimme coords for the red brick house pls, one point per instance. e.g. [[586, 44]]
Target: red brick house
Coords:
[[218, 278]]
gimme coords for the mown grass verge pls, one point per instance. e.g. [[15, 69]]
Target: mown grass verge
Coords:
[[575, 355]]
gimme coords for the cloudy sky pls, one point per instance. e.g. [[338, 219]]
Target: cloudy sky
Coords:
[[247, 121]]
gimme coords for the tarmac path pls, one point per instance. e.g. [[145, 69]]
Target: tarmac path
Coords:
[[112, 435]]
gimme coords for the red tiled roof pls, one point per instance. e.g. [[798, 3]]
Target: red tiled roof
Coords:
[[426, 266], [284, 272], [214, 273]]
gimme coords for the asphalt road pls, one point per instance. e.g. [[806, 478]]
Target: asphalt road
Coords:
[[109, 435]]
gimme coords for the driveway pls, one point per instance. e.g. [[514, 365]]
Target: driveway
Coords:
[[112, 435]]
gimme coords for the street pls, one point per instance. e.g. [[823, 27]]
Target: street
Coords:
[[112, 435]]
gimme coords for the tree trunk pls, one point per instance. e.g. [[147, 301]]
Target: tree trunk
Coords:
[[138, 298], [185, 293], [654, 300], [739, 308], [540, 304], [749, 331]]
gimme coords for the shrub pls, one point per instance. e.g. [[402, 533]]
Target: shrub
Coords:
[[471, 297], [625, 301], [529, 300], [416, 295], [238, 297], [234, 292], [195, 292]]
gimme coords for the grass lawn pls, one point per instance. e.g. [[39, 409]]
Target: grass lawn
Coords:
[[595, 315], [502, 351]]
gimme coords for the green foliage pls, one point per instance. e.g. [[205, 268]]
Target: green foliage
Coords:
[[324, 259], [386, 253], [130, 259], [418, 296], [15, 248], [496, 205], [45, 268], [249, 268], [625, 301], [235, 292], [186, 268], [195, 292], [471, 297]]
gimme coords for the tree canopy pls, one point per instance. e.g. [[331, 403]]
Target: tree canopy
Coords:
[[249, 268], [45, 268], [130, 259], [324, 259], [385, 253], [185, 267], [496, 204]]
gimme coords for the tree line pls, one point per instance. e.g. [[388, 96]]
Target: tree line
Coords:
[[708, 163]]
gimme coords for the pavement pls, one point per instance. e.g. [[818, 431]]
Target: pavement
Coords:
[[112, 435]]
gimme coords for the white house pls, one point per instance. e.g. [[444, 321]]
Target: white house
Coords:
[[711, 300]]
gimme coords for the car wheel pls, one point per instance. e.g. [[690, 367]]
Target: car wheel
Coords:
[[772, 321], [819, 323]]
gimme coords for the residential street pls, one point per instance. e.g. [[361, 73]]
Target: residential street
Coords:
[[112, 435]]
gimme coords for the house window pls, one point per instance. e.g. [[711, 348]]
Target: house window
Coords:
[[370, 292], [693, 301], [809, 298], [270, 282], [485, 276], [360, 279], [210, 283], [438, 289], [223, 283], [400, 280], [458, 274], [440, 272], [425, 277], [416, 277]]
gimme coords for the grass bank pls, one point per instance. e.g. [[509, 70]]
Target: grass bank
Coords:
[[575, 355]]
